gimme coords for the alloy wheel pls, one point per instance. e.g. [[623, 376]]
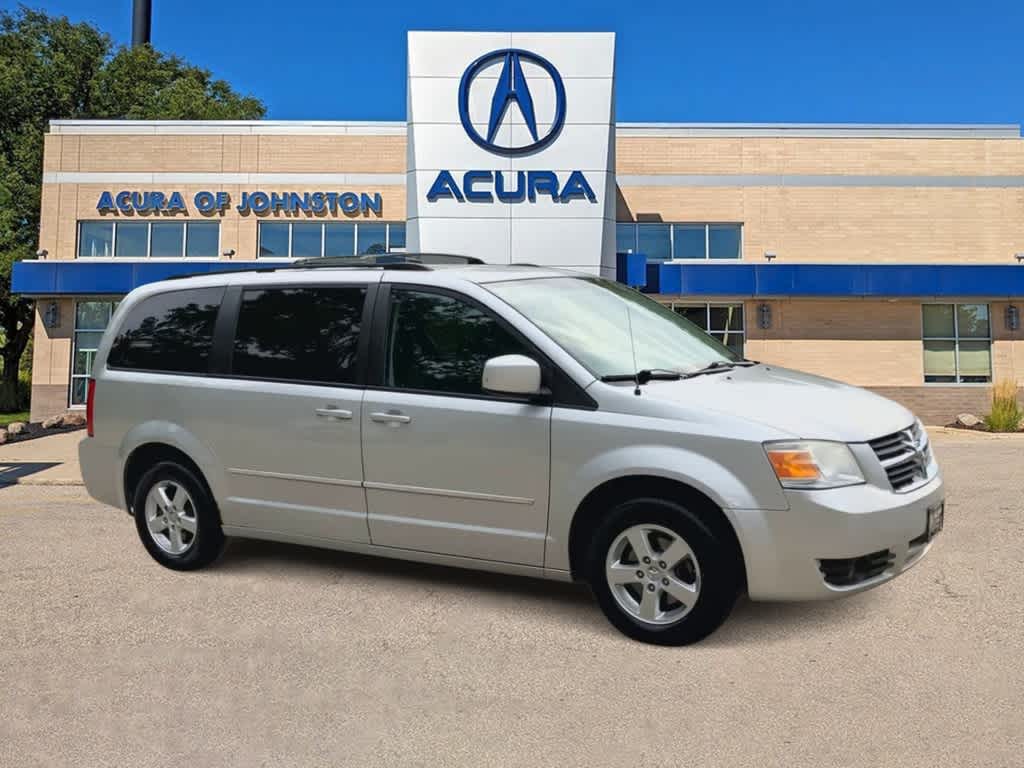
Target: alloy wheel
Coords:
[[171, 517], [653, 574]]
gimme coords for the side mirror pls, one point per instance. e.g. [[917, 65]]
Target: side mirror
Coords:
[[512, 375]]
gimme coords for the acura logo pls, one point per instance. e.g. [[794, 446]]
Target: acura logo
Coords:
[[511, 87]]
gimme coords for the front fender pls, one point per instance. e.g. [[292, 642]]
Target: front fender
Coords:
[[743, 481]]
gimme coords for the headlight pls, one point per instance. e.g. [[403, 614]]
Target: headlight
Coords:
[[813, 464], [923, 442]]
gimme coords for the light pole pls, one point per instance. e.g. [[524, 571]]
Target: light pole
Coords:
[[142, 22]]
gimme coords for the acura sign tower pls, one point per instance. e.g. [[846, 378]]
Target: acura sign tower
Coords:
[[511, 147]]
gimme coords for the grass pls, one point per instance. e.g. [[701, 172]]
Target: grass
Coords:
[[8, 418], [1006, 412]]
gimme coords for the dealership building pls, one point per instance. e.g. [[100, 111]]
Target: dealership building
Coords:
[[887, 256]]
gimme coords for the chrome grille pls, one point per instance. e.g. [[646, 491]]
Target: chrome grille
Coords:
[[904, 456]]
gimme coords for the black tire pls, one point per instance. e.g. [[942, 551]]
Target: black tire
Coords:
[[720, 577], [206, 544]]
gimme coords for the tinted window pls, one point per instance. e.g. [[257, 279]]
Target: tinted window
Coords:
[[723, 241], [654, 241], [132, 238], [169, 332], [372, 238], [306, 240], [439, 343], [396, 236], [340, 239], [96, 238], [300, 334], [625, 238], [202, 238], [689, 241], [273, 239], [166, 239]]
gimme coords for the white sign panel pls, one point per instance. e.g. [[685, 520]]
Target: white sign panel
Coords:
[[511, 147]]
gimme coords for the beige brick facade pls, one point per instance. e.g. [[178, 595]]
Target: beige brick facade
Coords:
[[817, 198]]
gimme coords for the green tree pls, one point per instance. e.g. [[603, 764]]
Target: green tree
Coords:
[[51, 68]]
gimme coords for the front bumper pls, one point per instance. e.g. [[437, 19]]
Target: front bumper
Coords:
[[783, 550]]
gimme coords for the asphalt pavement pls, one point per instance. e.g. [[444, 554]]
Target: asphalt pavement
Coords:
[[284, 656]]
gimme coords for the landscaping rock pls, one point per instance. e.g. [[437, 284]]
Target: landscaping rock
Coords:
[[967, 420], [3, 436], [17, 428], [73, 419], [53, 422]]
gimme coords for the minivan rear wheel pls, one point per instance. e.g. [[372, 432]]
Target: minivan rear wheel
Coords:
[[176, 518], [660, 574]]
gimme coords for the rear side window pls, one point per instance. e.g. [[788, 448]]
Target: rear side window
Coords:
[[299, 334], [170, 332]]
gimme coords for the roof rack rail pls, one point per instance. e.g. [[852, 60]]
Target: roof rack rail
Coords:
[[348, 262], [399, 261], [387, 261]]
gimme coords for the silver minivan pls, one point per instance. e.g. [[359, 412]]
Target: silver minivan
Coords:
[[509, 418]]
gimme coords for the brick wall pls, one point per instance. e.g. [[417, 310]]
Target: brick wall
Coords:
[[874, 344], [887, 224], [940, 405]]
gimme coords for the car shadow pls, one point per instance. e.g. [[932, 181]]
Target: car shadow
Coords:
[[769, 622], [12, 471], [252, 554], [749, 622]]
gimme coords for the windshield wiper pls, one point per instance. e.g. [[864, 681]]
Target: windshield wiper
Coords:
[[720, 365], [713, 368], [644, 376]]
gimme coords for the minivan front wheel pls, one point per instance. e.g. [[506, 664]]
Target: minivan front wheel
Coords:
[[660, 574], [176, 519]]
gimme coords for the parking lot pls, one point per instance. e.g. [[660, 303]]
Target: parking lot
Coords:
[[283, 656]]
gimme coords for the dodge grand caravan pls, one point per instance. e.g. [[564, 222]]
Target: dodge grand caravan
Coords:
[[507, 418]]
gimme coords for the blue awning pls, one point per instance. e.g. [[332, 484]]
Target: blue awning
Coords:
[[705, 278], [85, 278], [745, 280]]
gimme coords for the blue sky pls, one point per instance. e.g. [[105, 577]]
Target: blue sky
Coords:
[[764, 61]]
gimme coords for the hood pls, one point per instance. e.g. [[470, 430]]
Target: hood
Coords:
[[802, 405]]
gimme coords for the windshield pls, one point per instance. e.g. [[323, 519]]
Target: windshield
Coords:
[[612, 329]]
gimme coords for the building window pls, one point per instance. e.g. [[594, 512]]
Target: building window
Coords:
[[957, 343], [303, 240], [667, 242], [148, 239], [91, 319], [724, 322]]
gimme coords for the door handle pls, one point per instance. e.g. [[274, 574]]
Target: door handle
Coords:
[[333, 413], [391, 417]]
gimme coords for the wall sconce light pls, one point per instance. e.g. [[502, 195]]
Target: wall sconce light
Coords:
[[1019, 257], [764, 316], [51, 315], [229, 252], [769, 255], [42, 253], [1012, 318]]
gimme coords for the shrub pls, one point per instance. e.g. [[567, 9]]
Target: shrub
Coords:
[[1006, 411]]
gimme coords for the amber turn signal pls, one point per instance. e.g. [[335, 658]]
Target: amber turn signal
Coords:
[[794, 465]]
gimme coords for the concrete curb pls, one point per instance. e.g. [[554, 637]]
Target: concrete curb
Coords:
[[67, 481], [974, 434]]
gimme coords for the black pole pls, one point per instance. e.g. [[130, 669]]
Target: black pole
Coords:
[[142, 18]]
